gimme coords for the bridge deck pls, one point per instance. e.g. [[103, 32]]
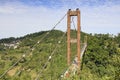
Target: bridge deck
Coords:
[[72, 69]]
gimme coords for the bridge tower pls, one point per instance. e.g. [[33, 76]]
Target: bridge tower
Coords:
[[69, 14]]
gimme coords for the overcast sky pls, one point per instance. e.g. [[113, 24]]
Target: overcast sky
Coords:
[[21, 17]]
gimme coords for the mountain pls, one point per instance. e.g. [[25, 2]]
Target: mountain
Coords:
[[42, 56]]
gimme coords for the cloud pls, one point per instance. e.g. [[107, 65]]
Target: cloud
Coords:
[[20, 18], [102, 19]]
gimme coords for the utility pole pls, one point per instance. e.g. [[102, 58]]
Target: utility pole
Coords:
[[69, 14]]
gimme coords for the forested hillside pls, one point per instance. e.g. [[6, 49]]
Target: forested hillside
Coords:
[[30, 54]]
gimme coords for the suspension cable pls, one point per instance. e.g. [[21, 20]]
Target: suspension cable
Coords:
[[74, 23], [10, 67], [53, 27], [49, 58], [32, 48]]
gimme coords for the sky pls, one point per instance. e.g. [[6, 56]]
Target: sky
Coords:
[[21, 17]]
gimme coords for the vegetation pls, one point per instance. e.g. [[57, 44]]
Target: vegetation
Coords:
[[100, 62]]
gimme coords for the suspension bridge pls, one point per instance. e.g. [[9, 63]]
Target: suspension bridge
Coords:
[[74, 66]]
